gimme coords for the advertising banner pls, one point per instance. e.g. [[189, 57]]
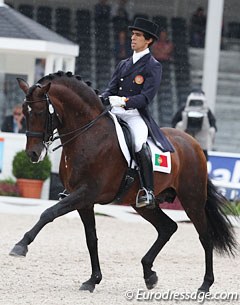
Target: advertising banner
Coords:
[[225, 167]]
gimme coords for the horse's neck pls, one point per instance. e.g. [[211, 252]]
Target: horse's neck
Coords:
[[74, 112], [77, 126]]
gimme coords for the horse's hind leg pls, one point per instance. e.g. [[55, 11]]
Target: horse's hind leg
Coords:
[[207, 244], [165, 227], [88, 219], [199, 220]]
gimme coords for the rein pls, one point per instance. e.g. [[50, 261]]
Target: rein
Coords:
[[79, 130]]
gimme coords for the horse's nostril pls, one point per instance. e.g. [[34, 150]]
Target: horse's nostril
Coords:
[[33, 156]]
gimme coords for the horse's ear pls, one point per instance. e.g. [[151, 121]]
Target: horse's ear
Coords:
[[46, 88], [23, 85]]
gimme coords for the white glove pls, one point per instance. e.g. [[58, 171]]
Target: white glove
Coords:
[[117, 101]]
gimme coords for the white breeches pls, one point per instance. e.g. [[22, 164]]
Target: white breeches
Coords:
[[137, 125]]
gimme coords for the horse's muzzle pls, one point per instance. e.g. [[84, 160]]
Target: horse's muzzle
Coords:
[[33, 156]]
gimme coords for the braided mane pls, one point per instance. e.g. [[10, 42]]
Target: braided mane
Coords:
[[61, 74]]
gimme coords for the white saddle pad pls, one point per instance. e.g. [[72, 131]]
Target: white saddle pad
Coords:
[[161, 160]]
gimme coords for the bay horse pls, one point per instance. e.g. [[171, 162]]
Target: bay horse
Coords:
[[92, 168]]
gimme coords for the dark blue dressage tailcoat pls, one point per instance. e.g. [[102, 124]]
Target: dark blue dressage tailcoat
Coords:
[[139, 83]]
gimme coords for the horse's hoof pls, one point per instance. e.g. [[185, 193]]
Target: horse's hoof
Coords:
[[202, 291], [19, 250], [204, 288], [87, 287], [151, 282]]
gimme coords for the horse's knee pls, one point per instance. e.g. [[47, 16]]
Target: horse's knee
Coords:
[[47, 216]]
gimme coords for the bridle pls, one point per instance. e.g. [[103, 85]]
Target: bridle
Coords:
[[49, 134]]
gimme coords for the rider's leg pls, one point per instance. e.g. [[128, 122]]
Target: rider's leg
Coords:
[[144, 159]]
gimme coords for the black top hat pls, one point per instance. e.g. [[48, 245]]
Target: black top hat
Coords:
[[145, 26]]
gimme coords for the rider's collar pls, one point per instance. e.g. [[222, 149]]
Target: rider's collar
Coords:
[[137, 56]]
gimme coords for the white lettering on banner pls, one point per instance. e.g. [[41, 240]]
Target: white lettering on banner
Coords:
[[236, 172], [228, 176], [235, 179], [222, 174]]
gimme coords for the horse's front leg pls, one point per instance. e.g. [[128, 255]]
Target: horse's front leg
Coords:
[[63, 207], [165, 228], [88, 219]]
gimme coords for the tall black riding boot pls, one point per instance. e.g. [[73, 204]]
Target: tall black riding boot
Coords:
[[146, 194]]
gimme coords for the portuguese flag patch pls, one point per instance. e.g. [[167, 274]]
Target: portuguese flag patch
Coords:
[[161, 160]]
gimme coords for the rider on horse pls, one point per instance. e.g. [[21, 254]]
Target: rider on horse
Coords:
[[132, 88]]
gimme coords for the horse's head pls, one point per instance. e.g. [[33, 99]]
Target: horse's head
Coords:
[[60, 100], [41, 119]]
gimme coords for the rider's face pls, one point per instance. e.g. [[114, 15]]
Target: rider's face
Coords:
[[139, 43]]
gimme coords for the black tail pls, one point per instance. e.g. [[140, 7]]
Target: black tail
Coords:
[[222, 231]]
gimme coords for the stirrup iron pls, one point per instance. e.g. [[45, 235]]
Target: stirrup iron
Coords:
[[144, 192]]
